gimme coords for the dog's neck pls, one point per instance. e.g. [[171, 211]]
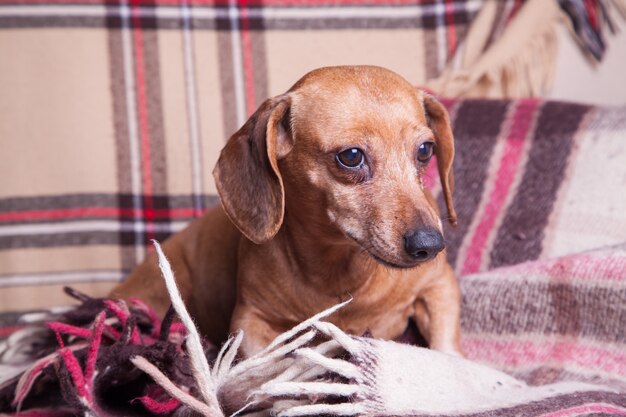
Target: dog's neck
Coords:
[[324, 256]]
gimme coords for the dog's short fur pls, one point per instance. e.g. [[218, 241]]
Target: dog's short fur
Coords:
[[299, 232]]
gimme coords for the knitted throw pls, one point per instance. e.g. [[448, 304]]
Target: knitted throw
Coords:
[[113, 359]]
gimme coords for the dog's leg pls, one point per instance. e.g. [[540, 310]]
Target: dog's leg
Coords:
[[422, 318], [257, 332], [145, 281], [438, 313]]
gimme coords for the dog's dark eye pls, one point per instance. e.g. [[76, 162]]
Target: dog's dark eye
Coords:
[[351, 158], [425, 152]]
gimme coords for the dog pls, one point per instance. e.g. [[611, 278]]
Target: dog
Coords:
[[322, 200]]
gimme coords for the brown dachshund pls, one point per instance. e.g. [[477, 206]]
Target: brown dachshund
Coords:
[[322, 200]]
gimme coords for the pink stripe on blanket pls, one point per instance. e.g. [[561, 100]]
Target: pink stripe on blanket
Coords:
[[516, 353], [144, 119], [248, 65], [587, 409], [9, 330], [584, 266], [450, 25], [506, 172], [604, 265]]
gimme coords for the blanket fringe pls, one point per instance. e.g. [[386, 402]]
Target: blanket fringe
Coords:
[[520, 64], [290, 366], [200, 365], [154, 372]]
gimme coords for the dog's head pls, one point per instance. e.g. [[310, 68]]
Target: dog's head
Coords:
[[345, 149]]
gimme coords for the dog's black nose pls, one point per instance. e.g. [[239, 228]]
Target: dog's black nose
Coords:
[[423, 244]]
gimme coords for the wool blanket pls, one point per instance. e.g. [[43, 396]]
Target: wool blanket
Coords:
[[534, 180], [555, 326]]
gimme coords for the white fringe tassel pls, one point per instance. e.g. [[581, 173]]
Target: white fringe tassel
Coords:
[[291, 367], [200, 366]]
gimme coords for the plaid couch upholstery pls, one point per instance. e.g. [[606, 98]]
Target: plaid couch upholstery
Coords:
[[112, 113]]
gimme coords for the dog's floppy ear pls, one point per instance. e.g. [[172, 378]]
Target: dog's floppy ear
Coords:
[[439, 123], [247, 176]]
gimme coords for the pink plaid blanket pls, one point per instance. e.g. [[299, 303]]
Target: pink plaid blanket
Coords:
[[557, 325]]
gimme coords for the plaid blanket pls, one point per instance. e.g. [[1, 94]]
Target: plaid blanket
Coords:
[[557, 325], [552, 320], [534, 180]]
